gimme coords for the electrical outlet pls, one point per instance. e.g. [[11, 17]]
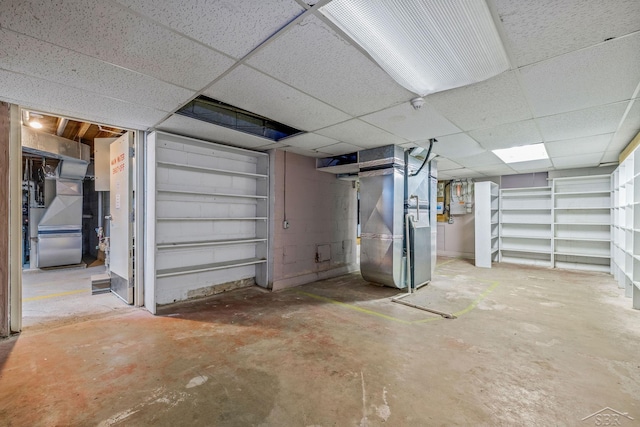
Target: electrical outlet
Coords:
[[285, 224]]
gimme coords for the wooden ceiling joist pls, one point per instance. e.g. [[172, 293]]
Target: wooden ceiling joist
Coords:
[[83, 129]]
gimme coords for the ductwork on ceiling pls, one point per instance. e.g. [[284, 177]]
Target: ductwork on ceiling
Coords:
[[59, 231], [52, 146]]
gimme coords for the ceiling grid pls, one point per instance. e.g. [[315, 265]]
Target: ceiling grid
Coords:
[[573, 82]]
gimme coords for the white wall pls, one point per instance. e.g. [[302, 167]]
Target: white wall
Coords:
[[321, 210]]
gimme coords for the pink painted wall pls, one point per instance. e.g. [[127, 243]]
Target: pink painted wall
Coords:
[[321, 210], [457, 239]]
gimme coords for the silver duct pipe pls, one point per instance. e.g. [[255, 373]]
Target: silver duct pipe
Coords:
[[100, 214], [61, 126], [60, 228], [52, 146]]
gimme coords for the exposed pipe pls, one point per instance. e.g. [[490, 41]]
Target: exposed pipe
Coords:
[[100, 196], [419, 307], [408, 219], [413, 196], [61, 126], [426, 159]]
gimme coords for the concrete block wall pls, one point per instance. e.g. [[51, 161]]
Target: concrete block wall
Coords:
[[322, 214]]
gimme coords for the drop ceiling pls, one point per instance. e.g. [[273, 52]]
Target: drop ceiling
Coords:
[[573, 84]]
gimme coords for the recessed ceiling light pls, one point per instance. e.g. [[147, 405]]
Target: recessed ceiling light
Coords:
[[35, 124], [524, 153], [426, 46]]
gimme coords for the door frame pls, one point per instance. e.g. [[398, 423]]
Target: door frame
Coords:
[[12, 277], [15, 214], [121, 220], [14, 203], [139, 248]]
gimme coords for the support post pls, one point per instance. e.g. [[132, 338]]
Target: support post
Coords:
[[4, 218]]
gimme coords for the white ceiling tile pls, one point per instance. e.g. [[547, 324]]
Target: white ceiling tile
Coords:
[[480, 160], [444, 176], [588, 144], [610, 156], [270, 146], [463, 173], [410, 145], [576, 124], [310, 141], [577, 161], [305, 152], [187, 126], [508, 135], [40, 59], [620, 140], [628, 129], [495, 170], [361, 134], [445, 164], [632, 120], [584, 78], [459, 174], [254, 91], [456, 146], [107, 31], [314, 59], [70, 102], [234, 28], [493, 102], [541, 29], [531, 166], [413, 125], [340, 148]]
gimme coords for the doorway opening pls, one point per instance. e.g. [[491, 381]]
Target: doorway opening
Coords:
[[77, 193]]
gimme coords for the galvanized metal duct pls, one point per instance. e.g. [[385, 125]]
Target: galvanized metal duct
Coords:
[[52, 146], [395, 187], [60, 228]]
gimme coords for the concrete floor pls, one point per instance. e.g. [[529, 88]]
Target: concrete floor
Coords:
[[530, 346], [62, 296]]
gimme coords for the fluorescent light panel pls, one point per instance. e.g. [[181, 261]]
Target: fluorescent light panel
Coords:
[[427, 46], [524, 153]]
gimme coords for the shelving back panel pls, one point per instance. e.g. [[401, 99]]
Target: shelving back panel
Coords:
[[525, 226], [582, 217], [211, 217]]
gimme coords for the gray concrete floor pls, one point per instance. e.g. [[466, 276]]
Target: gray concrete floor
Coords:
[[529, 346], [62, 296]]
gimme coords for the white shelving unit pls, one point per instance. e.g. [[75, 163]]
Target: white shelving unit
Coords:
[[487, 226], [525, 226], [207, 216], [625, 218], [582, 223]]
